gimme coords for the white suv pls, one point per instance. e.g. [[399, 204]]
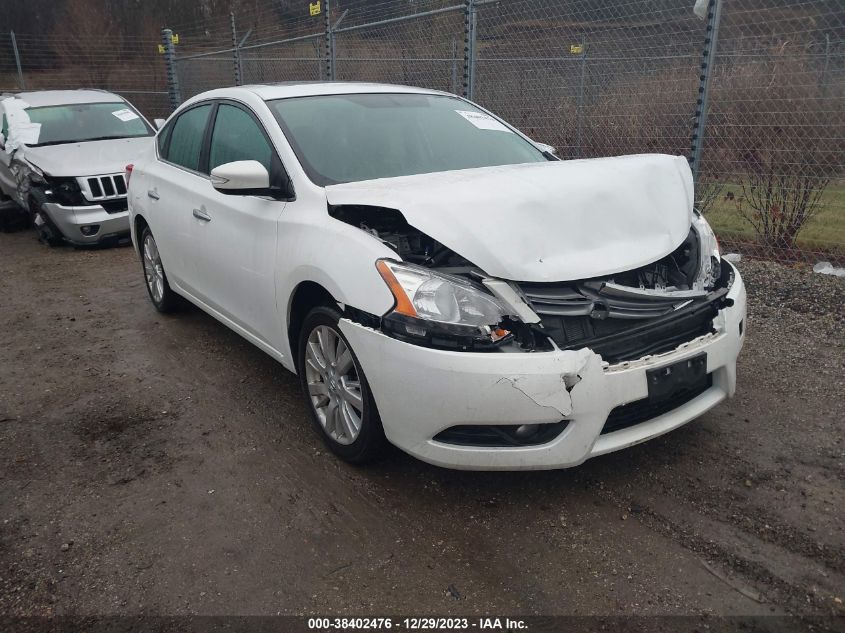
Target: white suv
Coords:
[[436, 278], [62, 159]]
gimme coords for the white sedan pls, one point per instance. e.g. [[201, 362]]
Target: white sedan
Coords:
[[437, 279]]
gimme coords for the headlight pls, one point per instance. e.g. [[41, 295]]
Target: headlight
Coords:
[[709, 266], [65, 191], [442, 310]]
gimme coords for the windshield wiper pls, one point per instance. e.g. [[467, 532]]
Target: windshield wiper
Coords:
[[81, 140], [103, 138], [47, 143]]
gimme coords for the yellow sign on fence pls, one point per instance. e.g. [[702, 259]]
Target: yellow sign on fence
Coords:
[[576, 49], [175, 39], [314, 7]]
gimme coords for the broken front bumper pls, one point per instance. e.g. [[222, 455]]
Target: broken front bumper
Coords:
[[421, 392], [105, 226]]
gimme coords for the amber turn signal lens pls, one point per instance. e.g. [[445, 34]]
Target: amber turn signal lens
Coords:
[[403, 303]]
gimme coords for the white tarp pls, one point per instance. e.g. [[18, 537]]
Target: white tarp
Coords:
[[22, 131]]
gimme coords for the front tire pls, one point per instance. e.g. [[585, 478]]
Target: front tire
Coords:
[[336, 391], [44, 227], [163, 298]]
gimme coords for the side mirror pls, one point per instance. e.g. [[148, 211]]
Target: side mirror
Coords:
[[158, 123], [242, 177]]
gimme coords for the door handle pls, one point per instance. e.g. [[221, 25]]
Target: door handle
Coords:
[[200, 214], [152, 193]]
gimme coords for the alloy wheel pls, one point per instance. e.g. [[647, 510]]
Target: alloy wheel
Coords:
[[334, 386], [153, 270]]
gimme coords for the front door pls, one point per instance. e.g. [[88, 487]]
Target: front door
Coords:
[[238, 233]]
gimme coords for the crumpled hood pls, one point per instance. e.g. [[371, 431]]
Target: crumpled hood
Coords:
[[93, 158], [555, 221]]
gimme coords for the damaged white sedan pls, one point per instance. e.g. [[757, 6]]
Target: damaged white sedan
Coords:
[[435, 278]]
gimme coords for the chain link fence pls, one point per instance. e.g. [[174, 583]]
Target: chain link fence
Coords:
[[773, 161], [131, 67], [757, 86]]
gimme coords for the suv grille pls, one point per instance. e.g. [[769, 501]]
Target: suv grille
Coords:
[[97, 188]]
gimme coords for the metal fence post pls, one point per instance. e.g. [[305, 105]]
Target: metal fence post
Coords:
[[453, 83], [21, 82], [236, 50], [579, 121], [329, 43], [470, 24], [708, 58], [172, 78]]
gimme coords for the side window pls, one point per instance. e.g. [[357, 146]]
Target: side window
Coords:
[[162, 140], [187, 137], [237, 136], [4, 126]]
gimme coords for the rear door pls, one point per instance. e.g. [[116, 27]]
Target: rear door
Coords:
[[239, 232], [173, 182]]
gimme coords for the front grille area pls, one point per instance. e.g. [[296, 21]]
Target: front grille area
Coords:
[[619, 323], [115, 206], [634, 413], [108, 187]]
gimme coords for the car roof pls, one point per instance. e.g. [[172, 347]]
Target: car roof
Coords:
[[312, 88], [41, 98]]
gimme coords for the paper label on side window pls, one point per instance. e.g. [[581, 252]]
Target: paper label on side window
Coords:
[[125, 115], [483, 121]]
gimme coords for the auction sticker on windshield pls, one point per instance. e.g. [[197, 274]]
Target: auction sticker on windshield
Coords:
[[483, 121], [125, 115]]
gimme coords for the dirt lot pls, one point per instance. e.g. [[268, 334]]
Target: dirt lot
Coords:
[[162, 465]]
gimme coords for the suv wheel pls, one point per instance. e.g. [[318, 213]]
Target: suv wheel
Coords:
[[163, 298], [336, 390], [44, 227]]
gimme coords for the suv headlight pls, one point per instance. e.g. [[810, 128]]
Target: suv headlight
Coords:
[[65, 191], [710, 261], [440, 310]]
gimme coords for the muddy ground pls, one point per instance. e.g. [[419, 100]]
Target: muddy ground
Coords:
[[162, 465]]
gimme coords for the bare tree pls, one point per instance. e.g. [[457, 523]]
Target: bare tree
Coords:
[[707, 192], [780, 131], [86, 38]]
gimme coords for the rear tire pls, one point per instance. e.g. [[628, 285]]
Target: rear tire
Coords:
[[155, 279], [336, 391]]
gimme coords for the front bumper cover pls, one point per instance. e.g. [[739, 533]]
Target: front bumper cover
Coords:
[[70, 220], [421, 391]]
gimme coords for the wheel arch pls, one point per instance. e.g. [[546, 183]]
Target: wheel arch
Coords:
[[306, 296], [139, 223]]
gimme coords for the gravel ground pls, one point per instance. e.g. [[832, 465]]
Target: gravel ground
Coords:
[[162, 465]]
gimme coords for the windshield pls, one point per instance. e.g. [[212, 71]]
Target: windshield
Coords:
[[86, 122], [353, 137]]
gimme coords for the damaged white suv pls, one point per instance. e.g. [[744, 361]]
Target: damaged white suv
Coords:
[[62, 160], [437, 279]]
